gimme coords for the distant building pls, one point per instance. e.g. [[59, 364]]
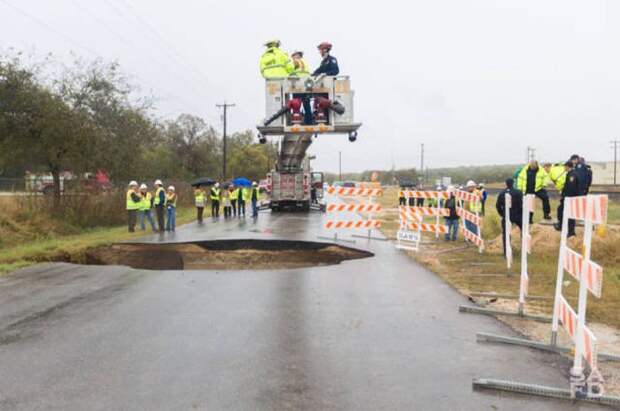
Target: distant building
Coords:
[[603, 173]]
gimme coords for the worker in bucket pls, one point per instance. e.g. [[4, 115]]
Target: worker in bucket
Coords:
[[274, 63], [301, 71], [329, 64]]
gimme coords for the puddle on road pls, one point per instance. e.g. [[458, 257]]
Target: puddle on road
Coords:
[[224, 255]]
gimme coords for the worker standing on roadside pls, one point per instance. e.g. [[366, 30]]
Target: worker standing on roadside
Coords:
[[200, 200], [241, 197], [247, 197], [215, 200], [483, 197], [171, 207], [274, 63], [452, 219], [516, 208], [159, 202], [570, 189], [226, 203], [145, 208], [532, 180], [474, 206], [254, 195], [329, 64], [233, 193], [133, 201]]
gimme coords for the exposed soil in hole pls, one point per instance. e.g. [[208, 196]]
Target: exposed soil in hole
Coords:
[[224, 255]]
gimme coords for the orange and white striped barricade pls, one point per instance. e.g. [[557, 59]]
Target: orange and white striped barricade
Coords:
[[372, 208], [353, 221], [435, 210], [591, 209], [526, 247], [474, 218], [409, 234]]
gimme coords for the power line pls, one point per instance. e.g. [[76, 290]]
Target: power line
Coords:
[[225, 108]]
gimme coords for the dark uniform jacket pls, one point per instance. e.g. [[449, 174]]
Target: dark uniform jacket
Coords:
[[516, 208], [329, 66], [572, 187]]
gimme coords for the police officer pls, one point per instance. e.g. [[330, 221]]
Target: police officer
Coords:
[[570, 189], [329, 64], [516, 208]]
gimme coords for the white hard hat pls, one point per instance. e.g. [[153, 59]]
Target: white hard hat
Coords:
[[254, 183], [171, 188], [143, 186], [217, 185], [158, 182], [133, 183], [471, 183], [451, 189]]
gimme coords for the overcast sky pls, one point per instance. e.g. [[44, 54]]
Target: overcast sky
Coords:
[[475, 80]]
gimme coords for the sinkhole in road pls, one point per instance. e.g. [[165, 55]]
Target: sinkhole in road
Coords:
[[224, 255]]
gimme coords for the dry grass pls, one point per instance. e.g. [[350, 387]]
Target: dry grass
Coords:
[[468, 271]]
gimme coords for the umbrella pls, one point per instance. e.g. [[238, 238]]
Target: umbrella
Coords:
[[203, 181], [242, 181]]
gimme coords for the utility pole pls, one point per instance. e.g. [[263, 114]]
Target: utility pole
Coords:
[[531, 154], [340, 166], [224, 117], [422, 161], [615, 144]]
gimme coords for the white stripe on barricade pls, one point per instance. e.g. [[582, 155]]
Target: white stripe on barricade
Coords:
[[428, 211], [424, 194], [431, 228], [592, 209], [352, 191], [350, 224], [526, 247], [469, 216], [358, 208]]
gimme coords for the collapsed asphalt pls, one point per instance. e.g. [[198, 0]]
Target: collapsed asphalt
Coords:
[[366, 334]]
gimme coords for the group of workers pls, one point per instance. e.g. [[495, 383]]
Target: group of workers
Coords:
[[275, 63], [571, 179], [232, 199], [140, 201]]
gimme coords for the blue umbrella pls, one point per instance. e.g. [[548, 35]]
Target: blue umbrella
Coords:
[[242, 181]]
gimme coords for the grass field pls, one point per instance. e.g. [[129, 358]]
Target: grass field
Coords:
[[468, 271], [34, 245]]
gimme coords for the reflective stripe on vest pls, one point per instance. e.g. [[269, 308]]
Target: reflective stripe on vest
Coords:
[[130, 204], [215, 194]]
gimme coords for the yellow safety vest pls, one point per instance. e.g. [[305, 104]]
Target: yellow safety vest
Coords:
[[302, 70], [476, 206], [274, 63], [130, 204], [234, 194], [157, 201], [247, 194], [557, 175], [215, 194], [541, 178], [171, 200], [201, 198], [145, 204]]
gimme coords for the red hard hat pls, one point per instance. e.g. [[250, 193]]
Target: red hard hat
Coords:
[[325, 45]]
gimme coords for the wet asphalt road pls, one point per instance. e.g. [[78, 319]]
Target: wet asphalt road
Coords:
[[372, 334]]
